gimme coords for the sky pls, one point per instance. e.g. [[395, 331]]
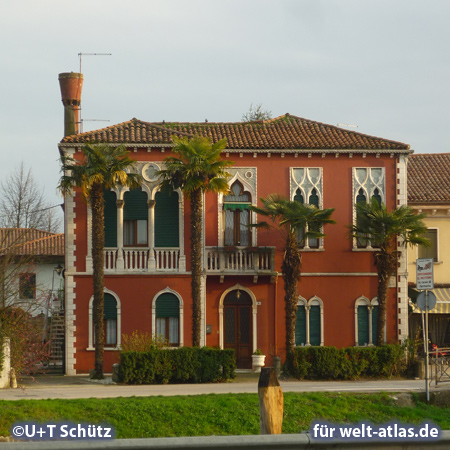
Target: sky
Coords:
[[381, 66]]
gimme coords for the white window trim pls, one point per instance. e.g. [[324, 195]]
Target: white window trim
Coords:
[[181, 306], [307, 304], [437, 246], [247, 188], [91, 346], [356, 186], [364, 301], [318, 185]]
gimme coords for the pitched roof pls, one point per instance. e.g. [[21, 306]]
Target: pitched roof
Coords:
[[31, 242], [286, 132], [429, 178]]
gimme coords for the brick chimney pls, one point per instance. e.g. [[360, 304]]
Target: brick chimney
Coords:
[[71, 85]]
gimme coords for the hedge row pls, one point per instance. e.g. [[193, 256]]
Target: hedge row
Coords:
[[180, 365], [324, 363]]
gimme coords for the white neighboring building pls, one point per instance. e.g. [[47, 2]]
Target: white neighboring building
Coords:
[[33, 261]]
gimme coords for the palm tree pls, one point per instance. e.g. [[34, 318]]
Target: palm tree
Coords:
[[381, 229], [297, 222], [196, 168], [102, 168]]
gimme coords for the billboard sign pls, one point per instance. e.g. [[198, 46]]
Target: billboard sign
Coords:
[[425, 279]]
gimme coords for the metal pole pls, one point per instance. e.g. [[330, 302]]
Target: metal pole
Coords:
[[427, 388]]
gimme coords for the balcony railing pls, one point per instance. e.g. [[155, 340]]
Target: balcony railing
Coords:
[[138, 259], [240, 260]]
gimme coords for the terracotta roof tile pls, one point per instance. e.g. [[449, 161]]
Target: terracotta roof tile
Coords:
[[429, 178], [28, 241], [286, 132]]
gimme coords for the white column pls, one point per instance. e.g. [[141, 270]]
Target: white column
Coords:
[[182, 261], [307, 308], [151, 235], [120, 263]]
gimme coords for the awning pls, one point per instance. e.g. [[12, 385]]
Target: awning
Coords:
[[234, 206], [442, 303]]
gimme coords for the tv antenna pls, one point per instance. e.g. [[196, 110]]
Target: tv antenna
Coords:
[[92, 54], [80, 55]]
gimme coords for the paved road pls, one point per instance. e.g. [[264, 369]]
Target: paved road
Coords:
[[48, 386]]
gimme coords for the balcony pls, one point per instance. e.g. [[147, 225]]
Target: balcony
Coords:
[[138, 259], [254, 261]]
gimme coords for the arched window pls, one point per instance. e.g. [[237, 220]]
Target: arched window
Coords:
[[300, 324], [309, 324], [168, 318], [237, 216], [135, 218], [111, 322], [366, 319]]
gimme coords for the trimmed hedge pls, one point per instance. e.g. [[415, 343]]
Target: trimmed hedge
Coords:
[[324, 363], [178, 365]]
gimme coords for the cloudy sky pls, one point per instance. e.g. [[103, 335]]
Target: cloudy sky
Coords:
[[382, 65]]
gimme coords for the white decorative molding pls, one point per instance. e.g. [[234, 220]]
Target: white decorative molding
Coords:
[[247, 176]]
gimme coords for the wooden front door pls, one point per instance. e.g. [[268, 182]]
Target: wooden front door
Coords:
[[238, 327]]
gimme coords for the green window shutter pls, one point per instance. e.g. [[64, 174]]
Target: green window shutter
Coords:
[[110, 308], [300, 326], [167, 220], [167, 305], [374, 324], [135, 207], [363, 325], [314, 325], [110, 219]]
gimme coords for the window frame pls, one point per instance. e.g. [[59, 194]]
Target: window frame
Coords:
[[305, 186], [313, 301], [421, 248], [369, 185], [27, 283], [370, 304], [91, 338], [180, 316]]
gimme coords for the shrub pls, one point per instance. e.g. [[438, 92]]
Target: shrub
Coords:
[[176, 365], [321, 363], [142, 342]]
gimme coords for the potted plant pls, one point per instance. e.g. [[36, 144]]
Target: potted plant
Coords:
[[258, 359]]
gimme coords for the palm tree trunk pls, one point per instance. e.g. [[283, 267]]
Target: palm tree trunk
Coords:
[[196, 264], [291, 275], [98, 242], [386, 264]]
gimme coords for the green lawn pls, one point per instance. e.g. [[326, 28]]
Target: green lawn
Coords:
[[228, 414]]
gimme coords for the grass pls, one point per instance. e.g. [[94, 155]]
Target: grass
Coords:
[[227, 414]]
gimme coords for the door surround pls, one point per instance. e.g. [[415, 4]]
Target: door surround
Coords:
[[254, 312]]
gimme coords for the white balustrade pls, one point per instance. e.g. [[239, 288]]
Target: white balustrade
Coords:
[[248, 260], [167, 259]]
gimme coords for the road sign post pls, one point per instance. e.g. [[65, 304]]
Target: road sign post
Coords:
[[426, 300]]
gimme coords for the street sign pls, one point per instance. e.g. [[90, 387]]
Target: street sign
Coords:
[[425, 279], [426, 301]]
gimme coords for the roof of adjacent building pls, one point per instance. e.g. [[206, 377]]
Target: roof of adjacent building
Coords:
[[429, 178], [31, 242], [286, 132]]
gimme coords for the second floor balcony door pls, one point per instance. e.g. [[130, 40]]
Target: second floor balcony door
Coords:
[[237, 216]]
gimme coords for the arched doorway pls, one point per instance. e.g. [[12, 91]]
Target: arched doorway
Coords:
[[238, 326]]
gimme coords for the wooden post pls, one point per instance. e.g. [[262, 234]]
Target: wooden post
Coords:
[[270, 402]]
